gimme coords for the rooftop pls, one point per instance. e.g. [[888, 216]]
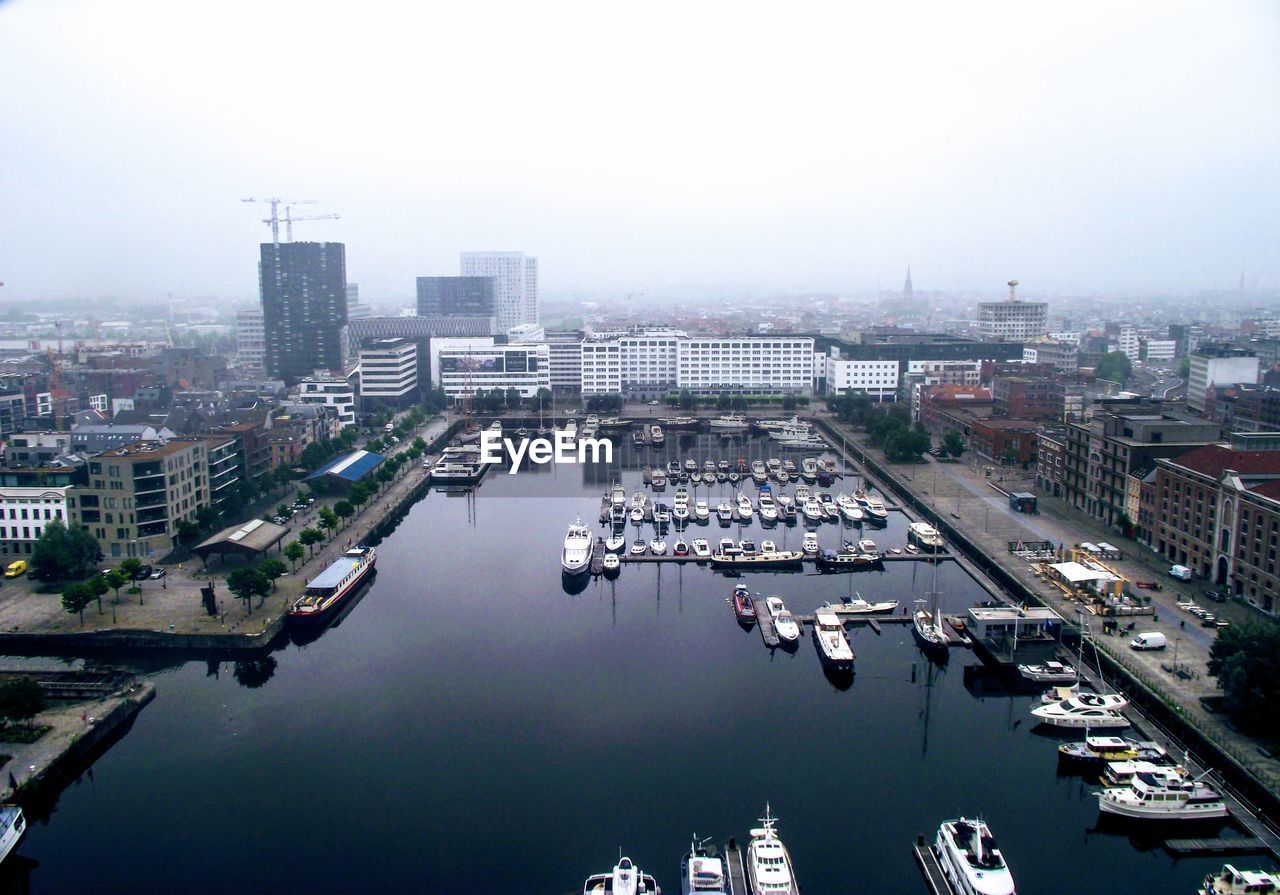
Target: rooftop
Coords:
[[140, 451], [1214, 459]]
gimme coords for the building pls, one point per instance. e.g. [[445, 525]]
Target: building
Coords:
[[1102, 452], [566, 361], [94, 439], [1051, 452], [304, 307], [36, 448], [1157, 351], [637, 364], [331, 391], [251, 340], [876, 379], [137, 495], [1012, 320], [224, 468], [515, 287], [1256, 409], [952, 408], [1063, 356], [457, 296], [463, 366], [1218, 365], [1128, 344], [1025, 398], [1003, 442], [356, 310], [1218, 513], [339, 474], [24, 511], [13, 413], [389, 373]]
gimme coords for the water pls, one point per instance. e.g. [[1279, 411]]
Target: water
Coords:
[[471, 727]]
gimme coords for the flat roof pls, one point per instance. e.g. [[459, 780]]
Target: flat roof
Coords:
[[1009, 613], [1075, 573], [332, 576], [254, 536], [352, 467]]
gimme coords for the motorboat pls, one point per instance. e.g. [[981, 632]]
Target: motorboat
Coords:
[[721, 477], [833, 646], [1089, 719], [680, 513], [1121, 773], [681, 548], [701, 549], [970, 859], [844, 560], [702, 873], [810, 545], [680, 422], [802, 494], [734, 478], [769, 869], [708, 466], [859, 606], [640, 547], [758, 472], [624, 879], [1230, 881], [872, 508], [612, 563], [701, 511], [617, 515], [639, 499], [745, 509], [658, 480], [1113, 702], [742, 562], [13, 823], [618, 495], [1153, 797], [661, 515], [613, 422], [1049, 673], [730, 422], [655, 434], [783, 501], [690, 464], [695, 478], [1112, 748], [925, 536], [773, 466], [743, 608], [637, 515], [783, 622], [724, 513], [809, 469], [615, 543], [767, 546], [813, 510], [637, 438], [723, 466], [657, 546], [747, 546], [768, 509], [727, 547], [789, 467], [575, 558], [866, 545], [682, 496]]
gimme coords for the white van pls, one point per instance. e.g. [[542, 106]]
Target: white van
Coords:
[[1149, 640], [1182, 573]]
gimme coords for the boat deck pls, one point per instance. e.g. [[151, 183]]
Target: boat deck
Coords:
[[927, 860]]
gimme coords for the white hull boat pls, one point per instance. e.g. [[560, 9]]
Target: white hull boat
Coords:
[[625, 879], [769, 869], [575, 558], [970, 859], [1151, 797], [783, 622]]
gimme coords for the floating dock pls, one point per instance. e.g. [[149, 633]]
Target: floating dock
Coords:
[[735, 869], [764, 621], [1239, 845], [927, 860]]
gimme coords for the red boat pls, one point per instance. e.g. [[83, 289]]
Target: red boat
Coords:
[[743, 608]]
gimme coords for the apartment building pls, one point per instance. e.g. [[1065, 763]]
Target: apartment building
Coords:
[[389, 373], [1216, 365], [330, 391], [877, 379], [24, 511]]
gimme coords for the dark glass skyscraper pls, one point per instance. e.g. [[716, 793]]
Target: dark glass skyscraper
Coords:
[[451, 296], [304, 307]]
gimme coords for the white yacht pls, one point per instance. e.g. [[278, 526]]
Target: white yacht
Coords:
[[1230, 881], [813, 510], [809, 469], [768, 509], [802, 494], [701, 511], [767, 546], [783, 622], [578, 547], [701, 873], [701, 549], [970, 859], [872, 507], [745, 510], [615, 543], [618, 496], [769, 870], [640, 547], [810, 545], [730, 422], [655, 434], [1112, 702], [1049, 673], [612, 562], [783, 501], [724, 513], [657, 546], [866, 545], [1151, 797], [658, 480], [618, 514], [1121, 773], [637, 514], [12, 825], [625, 879], [680, 512], [833, 646], [1087, 719], [639, 499], [925, 536]]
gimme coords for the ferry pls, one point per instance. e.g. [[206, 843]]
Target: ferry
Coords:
[[12, 825], [331, 587]]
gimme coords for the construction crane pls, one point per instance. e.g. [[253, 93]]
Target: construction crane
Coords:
[[289, 219], [275, 202]]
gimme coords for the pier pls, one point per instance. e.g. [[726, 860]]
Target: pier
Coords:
[[764, 621], [927, 860], [734, 869], [1239, 845]]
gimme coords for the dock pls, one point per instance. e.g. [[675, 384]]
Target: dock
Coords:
[[1238, 845], [735, 869], [764, 621], [927, 860]]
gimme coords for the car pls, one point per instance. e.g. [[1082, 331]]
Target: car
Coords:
[[158, 574], [1208, 620], [143, 573], [1216, 595], [279, 520]]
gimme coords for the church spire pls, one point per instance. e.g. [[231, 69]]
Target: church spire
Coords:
[[906, 287]]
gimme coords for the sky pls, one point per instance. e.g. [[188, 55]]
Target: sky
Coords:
[[674, 150]]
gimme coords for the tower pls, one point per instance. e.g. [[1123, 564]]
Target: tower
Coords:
[[304, 307], [907, 291]]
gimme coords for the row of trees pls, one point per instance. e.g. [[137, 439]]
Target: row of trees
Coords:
[[77, 596], [890, 429], [496, 400]]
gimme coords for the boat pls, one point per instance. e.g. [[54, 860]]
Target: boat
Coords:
[[655, 434], [639, 499], [690, 464], [773, 466], [722, 466], [768, 509], [859, 606], [728, 548], [575, 558], [831, 561], [825, 476], [681, 548], [658, 480], [810, 545], [1084, 718], [702, 873], [866, 545], [708, 466], [1112, 702], [758, 472], [680, 513], [639, 548], [615, 543], [701, 549], [783, 501], [624, 879], [618, 495], [724, 513], [637, 438], [613, 422], [769, 869], [637, 515], [701, 511], [745, 509], [1152, 797], [612, 563], [802, 494], [1121, 773], [657, 546], [13, 823], [925, 536], [1112, 748], [730, 422], [784, 622], [327, 591], [926, 624], [747, 546], [1230, 881], [767, 546], [970, 859], [694, 477], [734, 478], [743, 608], [833, 647], [778, 559], [813, 510], [680, 422], [1049, 673], [618, 515], [809, 470], [661, 515], [872, 508]]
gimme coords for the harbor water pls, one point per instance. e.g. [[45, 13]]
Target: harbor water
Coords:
[[473, 726]]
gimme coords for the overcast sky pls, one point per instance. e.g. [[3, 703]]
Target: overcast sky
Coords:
[[679, 148]]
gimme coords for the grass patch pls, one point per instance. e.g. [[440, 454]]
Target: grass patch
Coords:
[[23, 733]]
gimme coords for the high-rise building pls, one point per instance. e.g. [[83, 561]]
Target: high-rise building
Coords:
[[251, 339], [455, 296], [304, 307], [1013, 320], [516, 286], [388, 373], [1218, 365]]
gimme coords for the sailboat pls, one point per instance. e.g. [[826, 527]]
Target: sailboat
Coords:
[[927, 625]]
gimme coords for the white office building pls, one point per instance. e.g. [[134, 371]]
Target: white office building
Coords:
[[1012, 320], [566, 361], [463, 366], [24, 511], [640, 364], [333, 392], [389, 372], [877, 379], [1161, 349], [515, 294], [1208, 370], [251, 339], [1128, 344]]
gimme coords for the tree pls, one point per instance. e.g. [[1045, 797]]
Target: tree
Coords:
[[98, 587], [294, 551], [788, 402], [1243, 659], [384, 474], [1115, 366], [513, 397], [328, 519], [246, 583], [74, 598], [116, 580], [272, 569], [543, 398], [188, 532], [62, 553], [724, 401], [1184, 367], [344, 509], [310, 537], [740, 402], [686, 399], [953, 443], [21, 699]]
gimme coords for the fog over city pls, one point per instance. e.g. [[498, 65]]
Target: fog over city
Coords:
[[670, 150]]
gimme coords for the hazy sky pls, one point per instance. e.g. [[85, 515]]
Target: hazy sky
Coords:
[[682, 148]]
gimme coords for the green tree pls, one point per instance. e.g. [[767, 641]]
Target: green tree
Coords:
[[21, 699], [740, 403], [953, 443], [1115, 366], [788, 403], [75, 597], [724, 401], [246, 583], [328, 519], [310, 537], [115, 580], [1244, 660], [188, 533], [272, 569], [513, 397], [98, 587], [686, 399], [294, 551], [131, 567], [384, 474], [61, 553], [345, 510]]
